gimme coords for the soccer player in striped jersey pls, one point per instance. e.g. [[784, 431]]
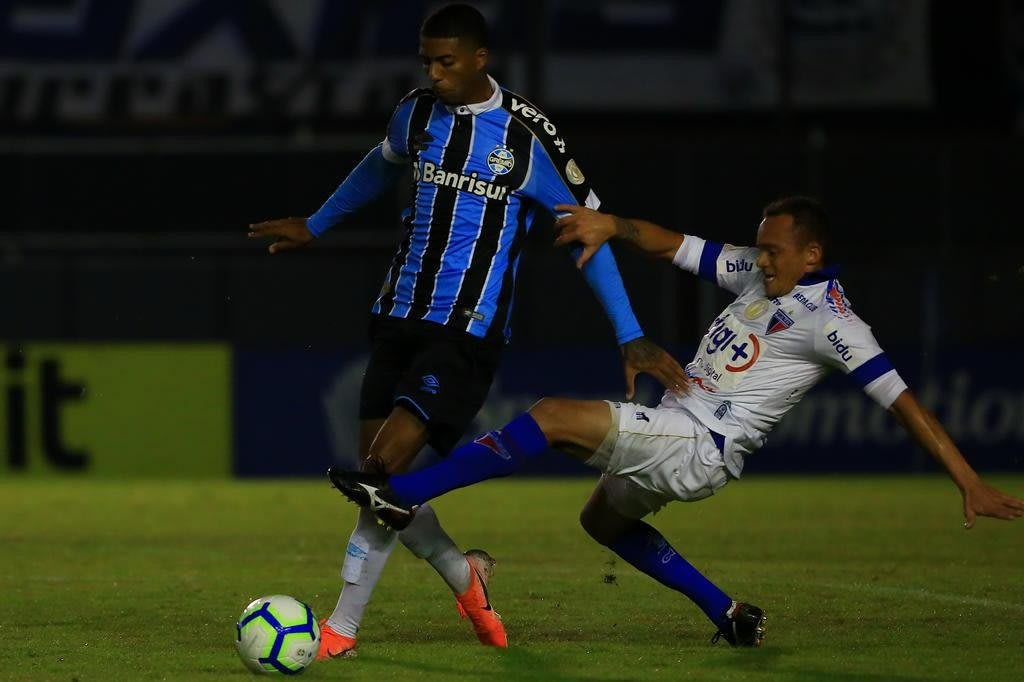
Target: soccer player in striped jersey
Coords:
[[788, 326], [484, 160]]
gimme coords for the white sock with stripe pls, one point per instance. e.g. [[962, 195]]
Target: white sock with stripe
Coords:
[[369, 547]]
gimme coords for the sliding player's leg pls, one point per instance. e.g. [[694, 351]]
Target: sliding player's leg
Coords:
[[650, 458], [647, 550], [576, 427], [590, 430]]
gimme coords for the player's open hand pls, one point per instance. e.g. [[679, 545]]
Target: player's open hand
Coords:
[[287, 233], [582, 225], [640, 355], [981, 499]]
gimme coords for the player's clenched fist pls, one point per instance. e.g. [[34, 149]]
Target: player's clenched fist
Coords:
[[287, 233]]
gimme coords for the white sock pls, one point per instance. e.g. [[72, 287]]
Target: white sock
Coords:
[[426, 539], [368, 550]]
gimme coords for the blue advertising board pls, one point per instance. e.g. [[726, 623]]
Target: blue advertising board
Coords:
[[296, 412]]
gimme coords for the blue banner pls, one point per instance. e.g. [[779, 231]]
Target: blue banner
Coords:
[[296, 411], [202, 65]]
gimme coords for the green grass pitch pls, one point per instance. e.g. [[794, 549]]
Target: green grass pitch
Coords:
[[862, 578]]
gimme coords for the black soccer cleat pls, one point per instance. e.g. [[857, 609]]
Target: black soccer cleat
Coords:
[[371, 491], [745, 625]]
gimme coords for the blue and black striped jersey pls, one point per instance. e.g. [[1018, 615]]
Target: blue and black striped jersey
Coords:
[[480, 174]]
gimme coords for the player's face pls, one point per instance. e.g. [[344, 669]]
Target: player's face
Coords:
[[454, 70], [782, 257]]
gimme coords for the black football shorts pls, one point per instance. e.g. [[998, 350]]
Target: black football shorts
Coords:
[[439, 374]]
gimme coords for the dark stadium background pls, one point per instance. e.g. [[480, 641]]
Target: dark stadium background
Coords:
[[138, 139]]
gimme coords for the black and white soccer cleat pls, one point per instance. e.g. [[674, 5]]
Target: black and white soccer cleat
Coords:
[[371, 491], [745, 625]]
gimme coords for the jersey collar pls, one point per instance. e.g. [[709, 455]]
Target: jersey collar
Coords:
[[818, 276], [494, 102]]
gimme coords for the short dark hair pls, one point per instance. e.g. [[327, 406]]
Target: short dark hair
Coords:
[[809, 218], [457, 21]]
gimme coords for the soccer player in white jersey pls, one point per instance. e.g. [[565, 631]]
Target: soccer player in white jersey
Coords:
[[788, 326]]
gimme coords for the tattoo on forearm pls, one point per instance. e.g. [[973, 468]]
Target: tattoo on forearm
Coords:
[[627, 230]]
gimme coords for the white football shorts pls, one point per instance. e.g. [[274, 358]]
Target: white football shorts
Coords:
[[655, 455]]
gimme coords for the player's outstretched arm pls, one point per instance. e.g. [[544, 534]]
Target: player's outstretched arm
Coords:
[[980, 499], [592, 228], [374, 174]]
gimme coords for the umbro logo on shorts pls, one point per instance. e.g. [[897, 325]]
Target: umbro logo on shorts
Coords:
[[641, 417], [430, 384]]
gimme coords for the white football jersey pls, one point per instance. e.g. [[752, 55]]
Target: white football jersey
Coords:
[[761, 355]]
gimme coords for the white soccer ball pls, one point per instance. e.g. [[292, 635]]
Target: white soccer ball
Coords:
[[277, 634]]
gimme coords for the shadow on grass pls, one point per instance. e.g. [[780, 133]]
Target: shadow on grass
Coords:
[[514, 663], [368, 660], [522, 664], [769, 661]]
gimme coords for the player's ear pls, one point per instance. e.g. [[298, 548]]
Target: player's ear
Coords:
[[481, 56], [814, 253]]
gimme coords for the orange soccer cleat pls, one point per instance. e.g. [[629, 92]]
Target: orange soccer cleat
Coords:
[[334, 645], [475, 605]]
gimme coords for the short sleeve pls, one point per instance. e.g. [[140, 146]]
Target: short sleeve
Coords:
[[845, 342], [733, 268]]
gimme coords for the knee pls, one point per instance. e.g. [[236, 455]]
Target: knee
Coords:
[[549, 413], [591, 522], [603, 522]]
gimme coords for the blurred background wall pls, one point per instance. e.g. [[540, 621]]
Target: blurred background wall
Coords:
[[143, 334]]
